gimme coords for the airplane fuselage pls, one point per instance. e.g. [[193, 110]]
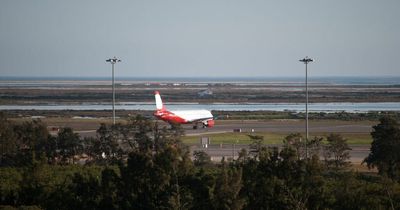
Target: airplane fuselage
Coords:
[[182, 116]]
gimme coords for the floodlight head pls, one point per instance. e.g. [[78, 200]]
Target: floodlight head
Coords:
[[113, 60], [306, 60]]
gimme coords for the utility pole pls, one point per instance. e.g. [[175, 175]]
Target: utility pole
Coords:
[[113, 61], [306, 60]]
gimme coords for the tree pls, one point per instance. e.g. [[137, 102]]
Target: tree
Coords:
[[385, 148], [143, 182], [35, 187], [68, 144], [110, 183], [156, 170], [295, 141], [143, 129], [8, 143], [105, 148], [135, 135], [227, 189], [337, 151], [314, 146], [165, 137], [201, 158], [32, 137], [86, 191], [256, 144]]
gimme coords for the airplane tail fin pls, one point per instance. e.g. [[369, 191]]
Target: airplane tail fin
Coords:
[[159, 103]]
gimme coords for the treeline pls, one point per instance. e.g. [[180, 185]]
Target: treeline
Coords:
[[142, 166], [111, 145]]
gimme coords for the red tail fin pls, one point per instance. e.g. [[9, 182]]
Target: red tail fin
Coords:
[[159, 103]]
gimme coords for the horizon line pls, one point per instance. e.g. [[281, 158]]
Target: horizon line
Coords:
[[203, 77]]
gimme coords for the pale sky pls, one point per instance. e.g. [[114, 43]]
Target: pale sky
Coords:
[[208, 38]]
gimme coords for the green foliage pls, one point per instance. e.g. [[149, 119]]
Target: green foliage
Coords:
[[336, 152], [109, 186], [201, 185], [280, 181], [385, 148], [10, 179], [352, 192], [85, 189], [256, 144], [297, 142], [201, 158], [138, 133], [32, 137], [227, 188], [48, 186], [68, 144], [104, 149], [314, 146], [8, 142], [147, 167], [19, 142]]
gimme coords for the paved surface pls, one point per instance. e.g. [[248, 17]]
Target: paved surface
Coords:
[[286, 126], [274, 126]]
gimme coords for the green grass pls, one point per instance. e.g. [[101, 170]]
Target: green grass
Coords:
[[361, 138], [238, 138], [270, 138]]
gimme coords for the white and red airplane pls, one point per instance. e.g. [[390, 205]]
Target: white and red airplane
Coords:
[[183, 116]]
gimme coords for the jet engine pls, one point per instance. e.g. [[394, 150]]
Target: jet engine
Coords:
[[209, 123]]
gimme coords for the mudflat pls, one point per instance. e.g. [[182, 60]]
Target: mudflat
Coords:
[[77, 92]]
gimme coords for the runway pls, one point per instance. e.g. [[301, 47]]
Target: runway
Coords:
[[273, 126], [285, 126]]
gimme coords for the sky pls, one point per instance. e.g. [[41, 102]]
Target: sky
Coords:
[[199, 38]]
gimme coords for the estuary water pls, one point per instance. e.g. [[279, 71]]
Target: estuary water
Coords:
[[295, 107]]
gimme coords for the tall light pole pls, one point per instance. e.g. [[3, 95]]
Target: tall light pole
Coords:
[[306, 60], [113, 61]]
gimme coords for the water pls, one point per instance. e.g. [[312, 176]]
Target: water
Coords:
[[52, 82], [295, 107]]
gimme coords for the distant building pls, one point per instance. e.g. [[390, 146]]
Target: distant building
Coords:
[[205, 93]]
